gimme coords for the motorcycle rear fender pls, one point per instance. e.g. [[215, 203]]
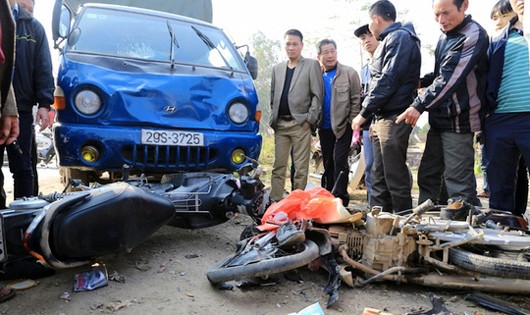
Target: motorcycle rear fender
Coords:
[[113, 218]]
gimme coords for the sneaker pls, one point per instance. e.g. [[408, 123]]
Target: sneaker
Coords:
[[287, 234]]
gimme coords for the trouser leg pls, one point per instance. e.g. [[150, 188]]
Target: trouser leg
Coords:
[[20, 162], [301, 142], [391, 146], [369, 160], [327, 146], [431, 168], [340, 157], [459, 161]]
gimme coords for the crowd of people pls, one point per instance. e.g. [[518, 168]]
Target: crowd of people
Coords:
[[478, 86]]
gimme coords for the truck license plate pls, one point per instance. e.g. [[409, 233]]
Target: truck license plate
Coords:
[[172, 137]]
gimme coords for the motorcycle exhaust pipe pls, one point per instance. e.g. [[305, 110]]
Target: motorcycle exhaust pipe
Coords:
[[491, 284]]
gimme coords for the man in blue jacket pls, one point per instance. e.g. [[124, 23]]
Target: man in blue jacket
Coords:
[[342, 95], [453, 97], [395, 75]]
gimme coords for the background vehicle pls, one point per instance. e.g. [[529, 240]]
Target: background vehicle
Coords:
[[155, 91]]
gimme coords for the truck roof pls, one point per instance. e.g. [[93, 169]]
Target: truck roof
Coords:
[[197, 9], [146, 11]]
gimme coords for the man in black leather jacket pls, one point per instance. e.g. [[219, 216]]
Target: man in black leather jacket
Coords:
[[453, 98], [395, 76]]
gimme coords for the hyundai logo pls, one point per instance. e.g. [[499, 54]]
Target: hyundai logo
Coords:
[[170, 109]]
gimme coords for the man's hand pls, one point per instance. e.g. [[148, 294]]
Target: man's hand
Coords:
[[410, 116], [9, 129], [357, 122], [43, 119]]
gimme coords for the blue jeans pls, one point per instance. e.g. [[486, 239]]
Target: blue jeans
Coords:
[[369, 162]]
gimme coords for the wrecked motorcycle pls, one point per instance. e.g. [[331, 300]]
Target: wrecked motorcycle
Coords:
[[70, 229], [456, 246]]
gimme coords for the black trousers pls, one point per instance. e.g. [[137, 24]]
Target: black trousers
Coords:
[[335, 153], [20, 163]]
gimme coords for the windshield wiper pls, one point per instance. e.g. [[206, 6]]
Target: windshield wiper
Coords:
[[173, 43], [211, 45]]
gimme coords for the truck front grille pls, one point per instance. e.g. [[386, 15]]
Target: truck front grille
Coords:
[[174, 157]]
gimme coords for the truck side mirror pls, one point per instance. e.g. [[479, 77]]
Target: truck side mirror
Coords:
[[62, 16], [252, 65]]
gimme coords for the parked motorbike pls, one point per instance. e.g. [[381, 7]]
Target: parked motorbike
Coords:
[[70, 229], [456, 246], [45, 148]]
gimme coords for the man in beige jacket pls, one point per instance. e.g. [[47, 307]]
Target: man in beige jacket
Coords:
[[296, 102]]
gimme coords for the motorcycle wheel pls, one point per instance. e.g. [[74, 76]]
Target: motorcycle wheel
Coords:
[[308, 253], [499, 267]]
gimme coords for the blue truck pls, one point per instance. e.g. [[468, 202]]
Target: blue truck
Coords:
[[151, 92]]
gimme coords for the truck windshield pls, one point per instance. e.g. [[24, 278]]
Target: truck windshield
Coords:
[[133, 35]]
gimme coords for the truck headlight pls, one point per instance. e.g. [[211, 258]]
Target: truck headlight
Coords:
[[87, 102], [238, 113]]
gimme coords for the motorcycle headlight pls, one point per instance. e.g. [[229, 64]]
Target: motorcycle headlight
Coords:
[[238, 113], [87, 102]]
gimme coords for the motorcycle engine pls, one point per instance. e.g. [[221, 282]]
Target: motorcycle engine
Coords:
[[385, 248]]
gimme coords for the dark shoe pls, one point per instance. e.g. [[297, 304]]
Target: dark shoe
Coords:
[[457, 211], [288, 234]]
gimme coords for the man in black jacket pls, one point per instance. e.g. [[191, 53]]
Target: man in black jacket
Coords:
[[453, 98], [34, 86], [395, 75]]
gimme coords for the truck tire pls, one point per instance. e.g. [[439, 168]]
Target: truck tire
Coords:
[[499, 267], [308, 253]]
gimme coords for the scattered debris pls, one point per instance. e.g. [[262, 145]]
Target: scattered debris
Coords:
[[91, 280], [118, 305], [313, 309], [191, 256], [373, 311], [438, 307], [492, 303], [67, 296], [115, 276]]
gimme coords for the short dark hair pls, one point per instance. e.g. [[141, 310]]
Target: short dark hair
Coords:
[[384, 9], [295, 32], [458, 3], [325, 42], [501, 7]]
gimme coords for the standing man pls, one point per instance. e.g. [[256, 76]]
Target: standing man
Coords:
[[342, 94], [369, 44], [34, 86], [453, 98], [395, 75], [507, 126], [296, 104]]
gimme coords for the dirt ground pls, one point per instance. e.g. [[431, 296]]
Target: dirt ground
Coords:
[[166, 275]]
